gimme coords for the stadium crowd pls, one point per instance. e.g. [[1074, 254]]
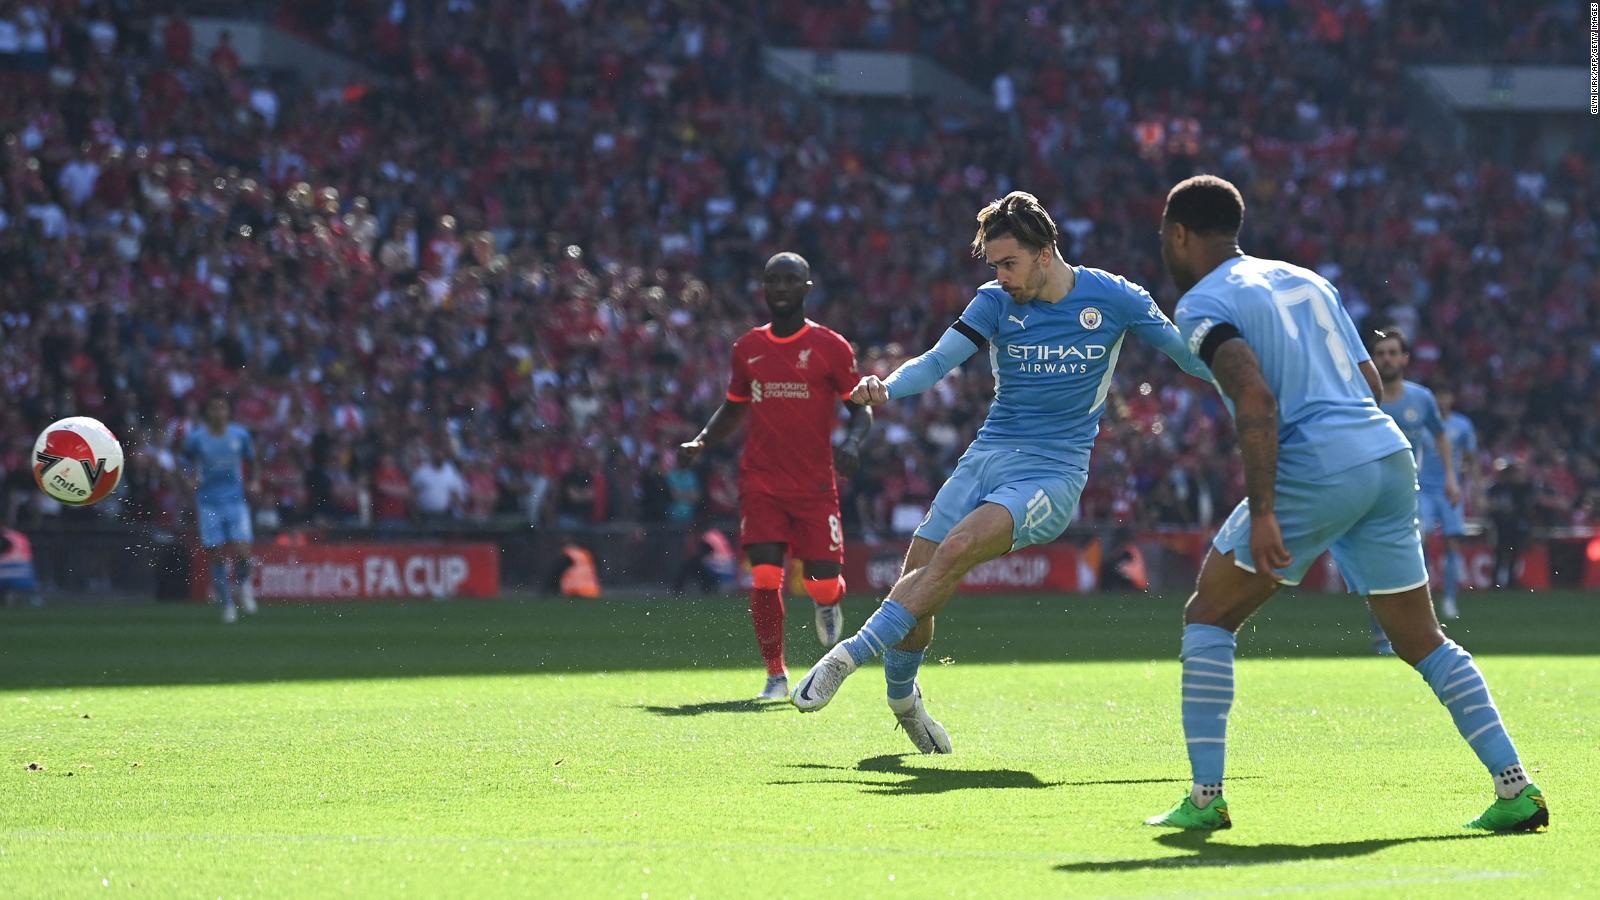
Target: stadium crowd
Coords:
[[501, 275]]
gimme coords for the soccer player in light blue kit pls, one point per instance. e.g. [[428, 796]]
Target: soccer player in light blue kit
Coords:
[[1325, 468], [217, 454], [1437, 510], [1415, 409], [1053, 332]]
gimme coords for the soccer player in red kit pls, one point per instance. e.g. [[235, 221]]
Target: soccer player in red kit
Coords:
[[788, 377]]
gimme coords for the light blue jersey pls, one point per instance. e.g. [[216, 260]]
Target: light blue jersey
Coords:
[[219, 459], [1310, 355], [1417, 414], [1052, 362], [1346, 478], [1463, 440]]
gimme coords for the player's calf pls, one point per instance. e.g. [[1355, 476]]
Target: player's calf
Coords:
[[1458, 683]]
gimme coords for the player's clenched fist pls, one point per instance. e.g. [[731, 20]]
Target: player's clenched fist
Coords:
[[870, 391]]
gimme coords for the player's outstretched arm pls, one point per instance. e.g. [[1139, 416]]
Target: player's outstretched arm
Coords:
[[724, 422], [1238, 374], [955, 347], [1155, 329]]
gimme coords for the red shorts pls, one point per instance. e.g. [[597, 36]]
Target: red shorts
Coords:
[[808, 523]]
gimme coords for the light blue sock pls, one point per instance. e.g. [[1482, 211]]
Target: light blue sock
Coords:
[[885, 628], [1207, 696], [900, 671], [219, 577], [1459, 685], [1452, 574]]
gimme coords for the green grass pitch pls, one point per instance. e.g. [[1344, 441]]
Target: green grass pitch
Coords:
[[603, 749]]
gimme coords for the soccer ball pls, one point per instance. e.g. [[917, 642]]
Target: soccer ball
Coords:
[[77, 461]]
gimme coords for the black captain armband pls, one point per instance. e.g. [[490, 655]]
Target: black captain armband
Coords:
[[1219, 334], [970, 333]]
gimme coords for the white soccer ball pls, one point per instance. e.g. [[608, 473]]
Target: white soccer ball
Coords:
[[77, 461]]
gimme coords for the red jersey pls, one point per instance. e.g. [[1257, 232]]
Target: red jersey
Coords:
[[793, 385]]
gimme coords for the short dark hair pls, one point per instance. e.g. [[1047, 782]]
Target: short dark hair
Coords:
[[1020, 215], [1390, 333], [1206, 204], [788, 256]]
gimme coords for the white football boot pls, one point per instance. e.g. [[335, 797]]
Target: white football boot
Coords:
[[822, 682], [777, 688], [230, 614], [830, 623], [925, 732], [247, 597]]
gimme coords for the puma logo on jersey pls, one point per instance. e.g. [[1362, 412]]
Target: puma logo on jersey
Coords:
[[1021, 323]]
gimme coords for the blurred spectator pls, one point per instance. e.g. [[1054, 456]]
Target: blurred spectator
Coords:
[[438, 487], [581, 499], [17, 581], [1512, 503], [223, 57], [684, 487], [391, 492]]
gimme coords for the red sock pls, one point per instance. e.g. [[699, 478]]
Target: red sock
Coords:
[[766, 610]]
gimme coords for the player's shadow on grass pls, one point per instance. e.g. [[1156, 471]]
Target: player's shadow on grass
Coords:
[[1206, 854], [938, 780], [713, 706]]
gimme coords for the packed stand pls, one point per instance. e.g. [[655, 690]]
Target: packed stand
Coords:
[[500, 278]]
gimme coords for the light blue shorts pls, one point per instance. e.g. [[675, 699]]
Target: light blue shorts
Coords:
[[224, 523], [1040, 493], [1367, 516], [1437, 510]]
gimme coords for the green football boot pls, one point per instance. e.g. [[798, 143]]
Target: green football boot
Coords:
[[1524, 812], [1188, 816]]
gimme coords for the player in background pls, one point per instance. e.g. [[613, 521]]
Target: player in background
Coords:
[[1053, 332], [1325, 468], [787, 378], [1452, 455], [1415, 410], [1450, 517], [217, 455]]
